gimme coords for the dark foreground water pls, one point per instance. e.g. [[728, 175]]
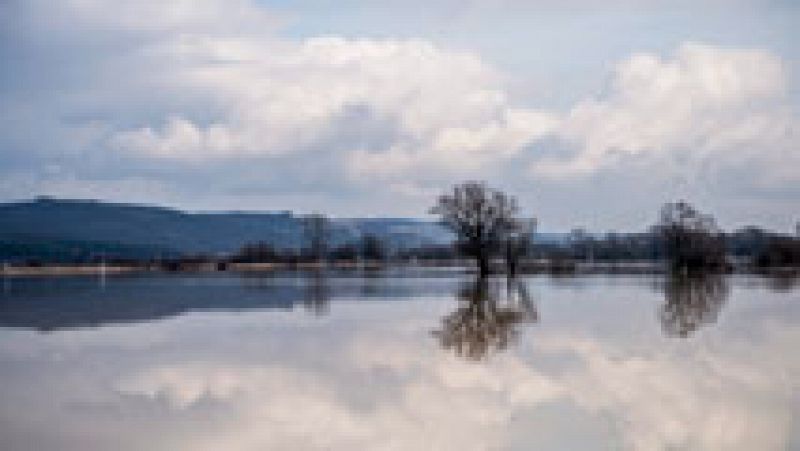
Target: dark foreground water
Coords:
[[399, 361]]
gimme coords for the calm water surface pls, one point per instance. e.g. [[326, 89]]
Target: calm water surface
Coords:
[[398, 361]]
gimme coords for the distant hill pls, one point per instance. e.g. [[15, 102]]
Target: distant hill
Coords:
[[59, 229], [51, 229]]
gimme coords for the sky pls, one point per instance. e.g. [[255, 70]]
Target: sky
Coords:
[[592, 113]]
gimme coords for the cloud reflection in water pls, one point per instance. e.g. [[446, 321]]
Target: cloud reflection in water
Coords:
[[369, 376]]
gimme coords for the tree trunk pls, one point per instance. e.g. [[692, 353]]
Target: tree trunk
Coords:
[[512, 267], [483, 265]]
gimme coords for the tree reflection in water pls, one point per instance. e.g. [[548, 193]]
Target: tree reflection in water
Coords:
[[691, 301], [484, 322], [317, 298], [782, 280]]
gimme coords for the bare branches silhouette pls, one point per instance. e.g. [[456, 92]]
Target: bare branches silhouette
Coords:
[[481, 217], [484, 323], [691, 301]]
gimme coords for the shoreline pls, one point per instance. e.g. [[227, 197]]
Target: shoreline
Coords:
[[580, 268]]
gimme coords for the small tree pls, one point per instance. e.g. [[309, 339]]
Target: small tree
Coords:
[[691, 240], [481, 217], [257, 253], [316, 228], [372, 247], [518, 244]]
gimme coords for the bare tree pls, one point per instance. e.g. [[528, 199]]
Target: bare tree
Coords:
[[691, 240], [518, 244], [481, 218], [316, 228], [372, 247]]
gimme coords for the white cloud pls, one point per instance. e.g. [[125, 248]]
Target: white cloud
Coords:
[[179, 138], [459, 150], [442, 109], [170, 88], [409, 110], [706, 105]]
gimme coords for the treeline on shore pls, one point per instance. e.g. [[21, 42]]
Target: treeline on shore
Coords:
[[488, 233], [749, 248]]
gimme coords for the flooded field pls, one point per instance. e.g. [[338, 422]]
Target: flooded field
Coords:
[[398, 360]]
